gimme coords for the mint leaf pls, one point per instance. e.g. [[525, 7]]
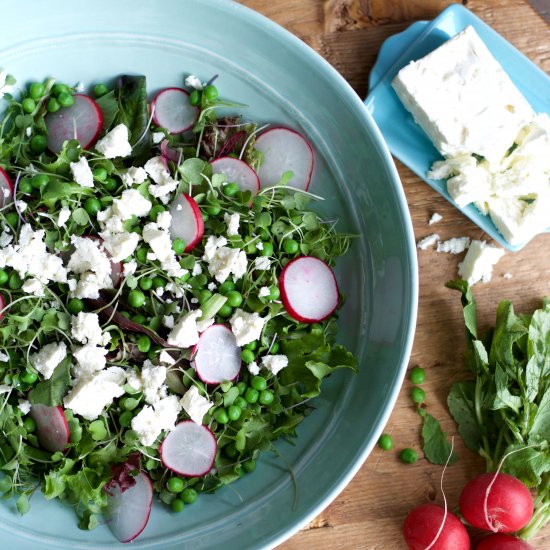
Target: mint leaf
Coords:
[[51, 392], [436, 447], [461, 405]]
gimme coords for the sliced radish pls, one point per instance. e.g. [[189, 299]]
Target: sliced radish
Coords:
[[187, 223], [129, 509], [83, 120], [52, 428], [172, 110], [6, 188], [308, 289], [168, 153], [2, 305], [285, 150], [217, 356], [189, 450], [237, 171]]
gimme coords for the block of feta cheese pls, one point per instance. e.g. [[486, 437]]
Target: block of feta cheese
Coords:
[[463, 99], [479, 261]]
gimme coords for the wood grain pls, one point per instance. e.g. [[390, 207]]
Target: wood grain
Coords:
[[369, 512]]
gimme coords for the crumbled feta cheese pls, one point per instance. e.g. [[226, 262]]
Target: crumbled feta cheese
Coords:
[[131, 203], [197, 269], [156, 168], [164, 219], [165, 357], [49, 356], [157, 137], [159, 291], [185, 333], [227, 261], [478, 262], [82, 173], [246, 327], [120, 245], [232, 221], [28, 131], [211, 286], [194, 300], [259, 245], [134, 175], [130, 268], [110, 223], [195, 405], [176, 289], [262, 263], [34, 287], [92, 394], [161, 245], [152, 379], [90, 359], [64, 215], [24, 406], [253, 368], [212, 245], [274, 363], [4, 357], [507, 276], [115, 143], [79, 87], [86, 330], [21, 206], [133, 379], [193, 81], [264, 292], [5, 239], [427, 242], [151, 421], [456, 245], [168, 321], [436, 218]]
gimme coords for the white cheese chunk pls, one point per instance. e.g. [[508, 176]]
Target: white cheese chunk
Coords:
[[82, 173], [151, 421], [246, 327], [456, 245], [195, 405], [115, 143], [274, 363], [478, 262], [436, 218], [86, 330], [49, 357], [427, 242]]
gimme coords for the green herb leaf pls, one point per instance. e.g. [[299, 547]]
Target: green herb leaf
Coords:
[[51, 392], [436, 447]]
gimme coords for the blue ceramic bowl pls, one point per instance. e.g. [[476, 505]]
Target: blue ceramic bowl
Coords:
[[284, 81]]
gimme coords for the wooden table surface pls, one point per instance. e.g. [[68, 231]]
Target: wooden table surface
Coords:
[[369, 512]]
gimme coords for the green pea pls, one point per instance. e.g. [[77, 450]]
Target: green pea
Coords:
[[144, 343], [290, 246], [155, 211], [249, 466], [385, 442], [230, 189], [204, 217], [195, 98], [100, 173], [274, 293], [60, 89], [53, 105], [264, 233], [126, 314], [92, 206], [75, 306], [25, 186], [240, 402], [241, 386], [36, 90], [234, 298], [100, 90], [266, 397], [418, 395], [129, 403], [65, 99], [267, 250], [252, 345], [139, 319], [184, 278], [247, 355], [175, 485], [110, 184], [29, 377], [409, 456], [159, 282], [125, 419], [38, 144], [40, 181], [251, 395], [234, 412], [3, 277], [15, 282], [29, 424], [73, 153], [230, 450], [204, 295], [258, 383], [141, 256], [189, 495], [28, 105], [178, 246], [177, 505], [226, 287], [225, 311], [145, 283], [417, 375], [136, 298], [221, 417], [274, 348], [213, 210], [12, 218], [210, 92]]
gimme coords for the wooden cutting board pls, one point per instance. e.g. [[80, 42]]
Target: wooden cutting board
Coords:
[[369, 512]]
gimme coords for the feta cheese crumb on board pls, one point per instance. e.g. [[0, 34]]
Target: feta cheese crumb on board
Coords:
[[428, 242], [479, 262], [436, 218], [456, 245]]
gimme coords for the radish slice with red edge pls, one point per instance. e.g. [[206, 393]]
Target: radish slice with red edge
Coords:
[[168, 153], [6, 188], [52, 428], [187, 223], [237, 171], [129, 509], [308, 289], [285, 150], [83, 121], [172, 110], [217, 356], [189, 450], [2, 306]]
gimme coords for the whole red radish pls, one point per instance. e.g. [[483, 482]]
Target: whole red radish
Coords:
[[507, 508], [503, 542], [423, 523]]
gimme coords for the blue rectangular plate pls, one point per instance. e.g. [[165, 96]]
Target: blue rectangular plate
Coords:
[[406, 140]]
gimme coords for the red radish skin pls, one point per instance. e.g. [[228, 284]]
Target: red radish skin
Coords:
[[52, 428], [168, 153], [503, 542], [237, 171], [83, 117], [129, 509], [187, 223], [172, 110], [189, 450], [2, 306], [309, 290], [6, 185], [285, 150], [509, 504], [423, 523], [217, 357]]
